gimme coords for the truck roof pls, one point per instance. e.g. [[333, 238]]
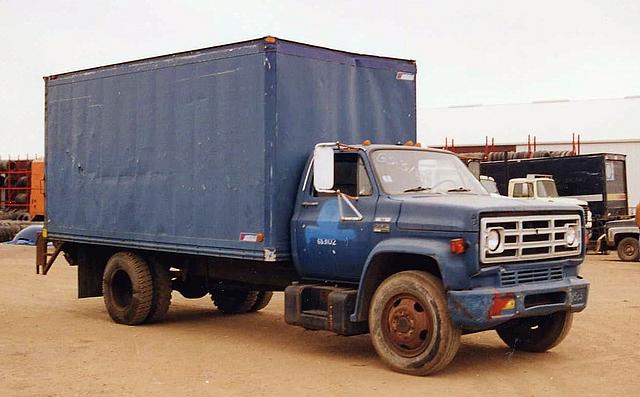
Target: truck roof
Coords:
[[369, 60]]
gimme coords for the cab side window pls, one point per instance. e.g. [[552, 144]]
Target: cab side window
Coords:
[[350, 176]]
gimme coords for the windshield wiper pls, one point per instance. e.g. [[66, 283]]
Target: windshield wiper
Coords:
[[417, 189], [459, 189]]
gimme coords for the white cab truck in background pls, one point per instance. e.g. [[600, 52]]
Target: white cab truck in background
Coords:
[[543, 187], [623, 236]]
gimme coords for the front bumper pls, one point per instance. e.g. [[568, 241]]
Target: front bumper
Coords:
[[485, 308]]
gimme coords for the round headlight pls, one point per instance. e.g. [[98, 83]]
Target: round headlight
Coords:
[[571, 235], [493, 240]]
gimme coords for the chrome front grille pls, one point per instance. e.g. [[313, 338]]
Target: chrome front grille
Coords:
[[514, 277], [531, 237]]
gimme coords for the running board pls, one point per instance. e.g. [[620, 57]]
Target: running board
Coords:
[[320, 307]]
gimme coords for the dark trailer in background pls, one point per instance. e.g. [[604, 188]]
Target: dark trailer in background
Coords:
[[600, 179]]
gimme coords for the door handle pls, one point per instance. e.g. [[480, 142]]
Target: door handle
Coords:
[[309, 203]]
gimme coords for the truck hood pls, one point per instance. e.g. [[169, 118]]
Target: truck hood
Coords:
[[564, 200], [461, 212]]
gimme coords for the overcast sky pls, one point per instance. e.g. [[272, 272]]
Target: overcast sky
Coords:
[[468, 52]]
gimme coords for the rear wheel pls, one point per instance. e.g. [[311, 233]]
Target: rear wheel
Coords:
[[233, 301], [628, 250], [127, 287], [161, 291], [263, 299], [410, 325], [536, 334]]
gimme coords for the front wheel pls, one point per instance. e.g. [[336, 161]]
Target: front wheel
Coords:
[[628, 249], [536, 334], [410, 325]]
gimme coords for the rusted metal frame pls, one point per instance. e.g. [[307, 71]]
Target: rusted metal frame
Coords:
[[45, 259], [342, 147]]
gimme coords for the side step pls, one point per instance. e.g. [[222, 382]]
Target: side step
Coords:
[[322, 307]]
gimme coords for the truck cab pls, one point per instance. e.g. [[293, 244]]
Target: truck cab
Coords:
[[543, 187], [623, 235], [406, 243]]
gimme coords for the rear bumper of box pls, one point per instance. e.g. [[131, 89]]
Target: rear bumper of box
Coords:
[[485, 308]]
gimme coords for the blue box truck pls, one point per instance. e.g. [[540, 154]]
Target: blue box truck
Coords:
[[271, 165]]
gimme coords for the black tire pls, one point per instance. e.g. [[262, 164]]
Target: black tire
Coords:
[[536, 334], [628, 249], [161, 291], [10, 181], [23, 181], [410, 325], [5, 234], [191, 288], [263, 299], [21, 198], [127, 286], [233, 301]]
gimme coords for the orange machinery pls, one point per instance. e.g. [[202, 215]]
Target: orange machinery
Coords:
[[37, 203]]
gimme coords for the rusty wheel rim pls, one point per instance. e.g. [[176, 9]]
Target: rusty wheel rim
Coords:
[[408, 325], [629, 250]]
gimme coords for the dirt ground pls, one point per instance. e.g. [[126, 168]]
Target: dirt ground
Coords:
[[54, 344]]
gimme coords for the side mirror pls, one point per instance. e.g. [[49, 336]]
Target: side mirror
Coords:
[[323, 168]]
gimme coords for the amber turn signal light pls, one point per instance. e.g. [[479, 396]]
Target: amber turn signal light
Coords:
[[502, 303], [457, 246]]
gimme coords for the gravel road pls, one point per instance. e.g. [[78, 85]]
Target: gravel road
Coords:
[[52, 344]]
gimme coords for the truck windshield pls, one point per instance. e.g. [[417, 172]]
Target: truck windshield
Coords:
[[406, 171], [490, 186], [547, 189]]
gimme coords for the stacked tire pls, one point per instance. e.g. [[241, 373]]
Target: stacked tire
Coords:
[[8, 230], [15, 182]]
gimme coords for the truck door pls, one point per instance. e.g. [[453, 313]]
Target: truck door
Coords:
[[327, 247]]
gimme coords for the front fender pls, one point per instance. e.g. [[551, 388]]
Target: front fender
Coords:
[[452, 267], [613, 232]]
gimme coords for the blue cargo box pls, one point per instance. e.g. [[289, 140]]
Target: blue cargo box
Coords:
[[201, 152]]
